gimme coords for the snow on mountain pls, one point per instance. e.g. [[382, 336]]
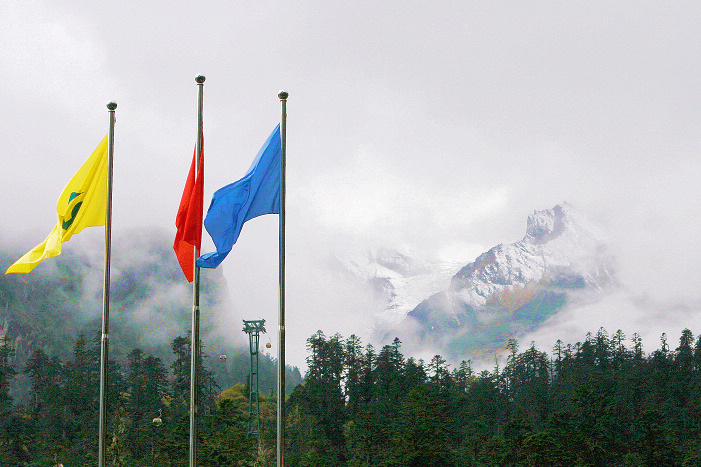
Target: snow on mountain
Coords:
[[400, 281], [560, 245], [460, 309], [513, 288]]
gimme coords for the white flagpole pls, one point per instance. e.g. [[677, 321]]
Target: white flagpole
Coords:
[[195, 335], [281, 315], [104, 346]]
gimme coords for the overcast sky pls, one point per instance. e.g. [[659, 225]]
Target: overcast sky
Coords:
[[433, 126]]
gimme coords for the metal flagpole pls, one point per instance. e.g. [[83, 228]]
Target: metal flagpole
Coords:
[[104, 346], [281, 315], [195, 335]]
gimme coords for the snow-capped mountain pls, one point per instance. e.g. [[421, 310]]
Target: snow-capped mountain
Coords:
[[513, 288], [506, 291], [560, 248]]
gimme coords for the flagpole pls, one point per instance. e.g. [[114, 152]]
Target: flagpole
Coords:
[[104, 346], [281, 315], [195, 334]]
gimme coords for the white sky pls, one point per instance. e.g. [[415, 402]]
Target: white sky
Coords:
[[433, 125]]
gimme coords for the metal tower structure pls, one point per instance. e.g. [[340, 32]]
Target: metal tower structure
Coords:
[[253, 329]]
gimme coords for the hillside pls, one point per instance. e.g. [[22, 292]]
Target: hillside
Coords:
[[150, 305]]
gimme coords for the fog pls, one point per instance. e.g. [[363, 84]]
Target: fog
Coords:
[[436, 128]]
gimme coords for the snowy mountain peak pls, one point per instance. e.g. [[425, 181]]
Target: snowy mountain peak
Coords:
[[512, 288], [548, 223], [505, 290], [559, 243]]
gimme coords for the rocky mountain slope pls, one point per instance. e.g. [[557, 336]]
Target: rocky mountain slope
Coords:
[[513, 288], [504, 292]]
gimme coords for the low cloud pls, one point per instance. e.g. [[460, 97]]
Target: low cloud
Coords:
[[616, 310]]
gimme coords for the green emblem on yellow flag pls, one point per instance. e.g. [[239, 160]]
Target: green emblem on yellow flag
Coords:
[[74, 203], [83, 203]]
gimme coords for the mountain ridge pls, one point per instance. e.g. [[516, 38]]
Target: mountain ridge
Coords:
[[473, 308], [513, 288]]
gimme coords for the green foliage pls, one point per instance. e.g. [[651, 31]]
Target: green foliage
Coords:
[[424, 439], [594, 403], [59, 422]]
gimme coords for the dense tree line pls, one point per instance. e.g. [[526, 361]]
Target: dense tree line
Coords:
[[59, 423], [594, 403], [600, 402]]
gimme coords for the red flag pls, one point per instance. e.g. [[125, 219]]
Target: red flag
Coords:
[[189, 218]]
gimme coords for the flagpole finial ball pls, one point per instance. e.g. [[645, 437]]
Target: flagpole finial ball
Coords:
[[200, 79], [283, 95], [112, 106]]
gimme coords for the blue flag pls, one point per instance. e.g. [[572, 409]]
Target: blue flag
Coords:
[[257, 193]]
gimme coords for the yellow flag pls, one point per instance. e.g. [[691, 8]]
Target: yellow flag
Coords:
[[83, 203]]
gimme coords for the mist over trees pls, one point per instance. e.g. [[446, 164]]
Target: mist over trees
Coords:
[[59, 420], [150, 303], [599, 402], [150, 300], [50, 354]]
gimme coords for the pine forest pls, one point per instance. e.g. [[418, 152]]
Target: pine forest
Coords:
[[599, 402]]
